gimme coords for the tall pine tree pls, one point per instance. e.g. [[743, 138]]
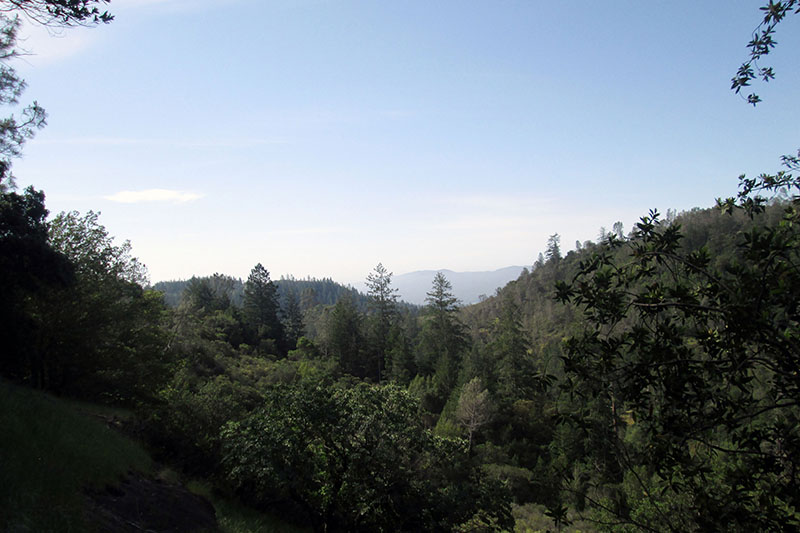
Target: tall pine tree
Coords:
[[383, 308], [261, 311], [443, 341]]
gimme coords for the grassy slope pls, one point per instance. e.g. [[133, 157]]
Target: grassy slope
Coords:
[[48, 453], [51, 449], [233, 517]]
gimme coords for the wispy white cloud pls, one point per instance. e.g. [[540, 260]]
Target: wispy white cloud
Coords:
[[154, 195], [499, 202], [173, 5], [130, 5], [321, 230], [171, 143], [145, 3], [42, 45], [486, 222]]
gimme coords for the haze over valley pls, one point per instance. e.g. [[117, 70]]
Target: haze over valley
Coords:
[[217, 222]]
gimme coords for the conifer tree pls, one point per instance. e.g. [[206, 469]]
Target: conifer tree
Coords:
[[293, 320], [443, 341], [510, 348], [344, 337], [553, 252], [261, 308], [383, 308]]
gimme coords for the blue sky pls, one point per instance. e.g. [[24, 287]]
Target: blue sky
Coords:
[[321, 137]]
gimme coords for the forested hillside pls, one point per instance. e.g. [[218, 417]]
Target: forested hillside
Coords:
[[308, 292], [468, 287], [648, 381], [501, 419], [548, 322]]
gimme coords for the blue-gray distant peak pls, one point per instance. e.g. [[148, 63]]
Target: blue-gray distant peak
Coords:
[[467, 286]]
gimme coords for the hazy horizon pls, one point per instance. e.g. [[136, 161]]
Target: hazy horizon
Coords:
[[357, 283], [322, 138]]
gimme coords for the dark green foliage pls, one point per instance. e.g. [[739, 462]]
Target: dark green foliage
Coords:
[[536, 428], [553, 251], [532, 440], [292, 320], [87, 244], [216, 382], [260, 311], [672, 405], [184, 426], [220, 377], [513, 360], [78, 319], [441, 302], [100, 337], [762, 43], [31, 268], [356, 459], [345, 339], [442, 338], [542, 321], [442, 342], [209, 294], [400, 367], [695, 370], [26, 255], [382, 315], [311, 292]]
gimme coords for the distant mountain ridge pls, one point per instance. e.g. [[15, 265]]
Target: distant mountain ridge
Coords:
[[412, 286], [309, 291], [467, 286]]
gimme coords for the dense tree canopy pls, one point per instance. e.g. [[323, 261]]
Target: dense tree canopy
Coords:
[[383, 309], [442, 341], [345, 337], [31, 268], [260, 308], [658, 391], [702, 362], [101, 336], [356, 459]]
